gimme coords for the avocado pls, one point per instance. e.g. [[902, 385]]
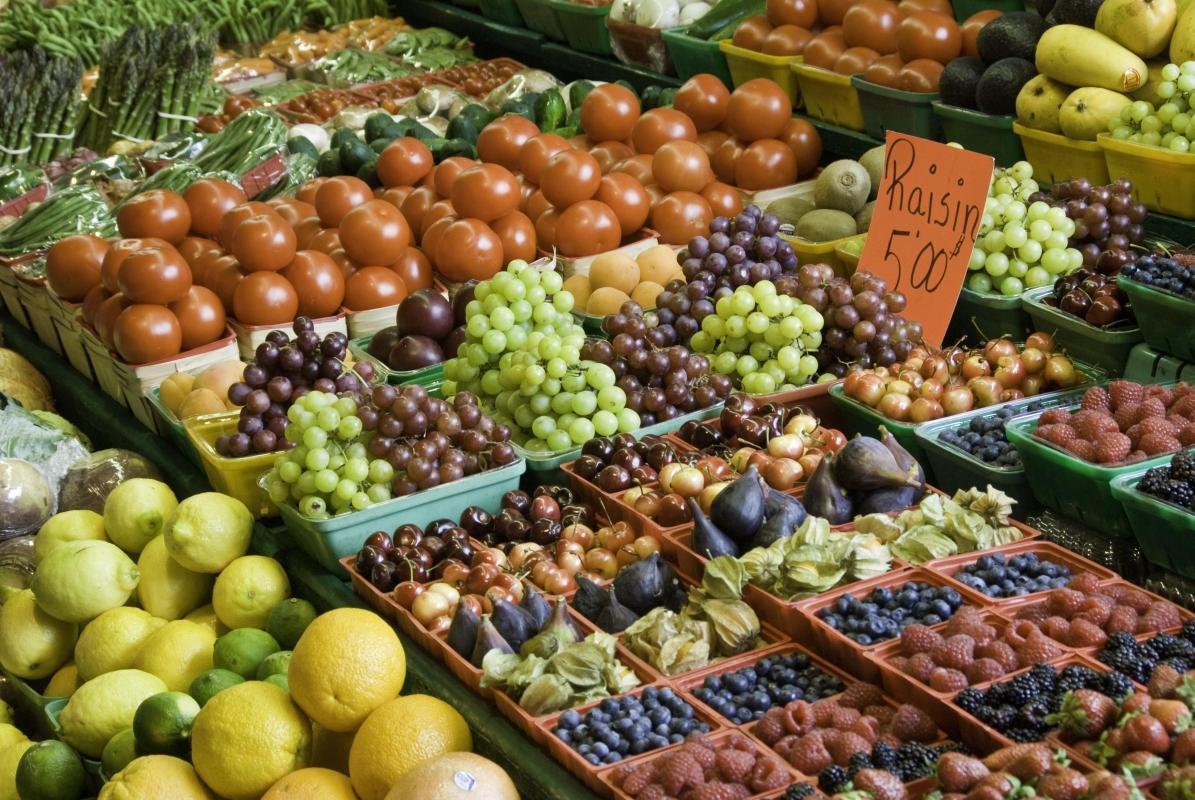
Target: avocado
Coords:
[[1043, 7], [1074, 12], [1010, 36], [826, 225], [960, 80], [844, 185], [1001, 83]]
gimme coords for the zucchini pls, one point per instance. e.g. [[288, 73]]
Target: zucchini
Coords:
[[549, 110], [464, 126], [354, 154], [446, 148], [725, 14], [328, 164]]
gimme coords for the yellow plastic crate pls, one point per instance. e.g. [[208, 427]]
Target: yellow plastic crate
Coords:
[[829, 96], [746, 65], [1057, 158], [236, 477], [1162, 179]]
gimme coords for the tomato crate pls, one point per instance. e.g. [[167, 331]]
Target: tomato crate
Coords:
[[1164, 531], [692, 56], [984, 133], [887, 109]]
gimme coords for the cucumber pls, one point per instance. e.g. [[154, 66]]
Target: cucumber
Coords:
[[725, 14], [378, 145], [301, 144], [577, 92], [353, 154], [341, 136], [368, 172], [378, 125], [524, 106], [446, 148], [464, 126], [550, 110], [328, 164]]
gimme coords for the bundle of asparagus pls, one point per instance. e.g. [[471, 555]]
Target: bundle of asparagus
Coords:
[[39, 106], [151, 83]]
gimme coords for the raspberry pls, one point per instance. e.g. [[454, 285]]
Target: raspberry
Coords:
[[1122, 392], [1097, 398], [1160, 393], [703, 754], [1131, 596], [1135, 456], [638, 778], [882, 714], [1158, 425], [1122, 620], [734, 766], [843, 718], [1187, 435], [1126, 416], [846, 745], [984, 670], [1064, 602], [947, 680], [1018, 631], [911, 724], [1153, 444], [1134, 434], [1084, 633], [968, 615], [808, 754], [770, 728], [956, 652], [899, 663], [768, 776], [1081, 448], [1000, 652], [1151, 407], [1037, 650], [823, 712], [918, 639], [920, 666], [1056, 434], [1183, 405], [1084, 582], [1160, 616], [679, 771], [861, 695], [1095, 424], [653, 792], [1096, 609], [1056, 627], [867, 727], [1112, 447], [1054, 416], [719, 791]]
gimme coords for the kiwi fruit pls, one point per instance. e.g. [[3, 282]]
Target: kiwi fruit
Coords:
[[873, 162], [789, 210], [863, 218], [843, 186], [826, 224]]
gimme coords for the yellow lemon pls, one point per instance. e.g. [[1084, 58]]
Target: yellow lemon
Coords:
[[112, 640], [208, 531], [10, 759], [103, 707], [178, 652], [248, 589], [5, 712], [78, 581], [347, 663], [330, 749], [312, 783], [154, 777], [247, 738], [206, 615], [400, 735], [167, 588], [65, 681], [34, 643], [136, 511], [67, 526], [10, 734]]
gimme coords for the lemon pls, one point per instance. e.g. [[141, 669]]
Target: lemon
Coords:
[[455, 776], [400, 735], [79, 581], [330, 749], [206, 615], [5, 712], [209, 531], [178, 652], [136, 511], [347, 663], [242, 651], [67, 526], [247, 589], [168, 589], [10, 760], [248, 737], [156, 777], [312, 783], [103, 707], [10, 734], [50, 770], [162, 724], [118, 752], [34, 643], [288, 620], [112, 640], [211, 683], [64, 682]]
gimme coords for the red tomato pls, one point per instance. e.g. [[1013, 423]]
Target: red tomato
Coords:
[[158, 212], [375, 233], [752, 32], [517, 232], [536, 205], [292, 210], [338, 196], [501, 140], [105, 317], [609, 113], [792, 12], [416, 205], [680, 216], [395, 195], [209, 199], [786, 40], [307, 191], [659, 126], [73, 266], [832, 12], [545, 229], [627, 198], [766, 164], [569, 177], [200, 317], [326, 241], [264, 242], [759, 109], [193, 248], [439, 210], [922, 75], [373, 287], [431, 239], [233, 218], [144, 333], [872, 23], [710, 141], [154, 275], [724, 199], [805, 142], [704, 98], [926, 34], [92, 302], [971, 28], [883, 70], [824, 49], [446, 173], [264, 298], [117, 253], [414, 269], [610, 154], [404, 162], [306, 231], [485, 192], [536, 152], [725, 159], [469, 249], [638, 167], [223, 277], [681, 166], [587, 228], [854, 60]]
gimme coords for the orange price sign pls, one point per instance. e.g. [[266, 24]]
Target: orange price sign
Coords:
[[926, 219]]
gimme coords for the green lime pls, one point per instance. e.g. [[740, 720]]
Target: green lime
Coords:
[[243, 650], [275, 664], [162, 724], [50, 770], [209, 684], [288, 620], [280, 681], [118, 752]]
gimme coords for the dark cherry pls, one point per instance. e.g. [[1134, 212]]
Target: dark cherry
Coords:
[[574, 513], [587, 466], [367, 558], [381, 540], [384, 576], [544, 507], [434, 546], [518, 500], [659, 454], [437, 527], [613, 478], [623, 441], [409, 571], [600, 448], [626, 458], [673, 511], [408, 528], [477, 521], [643, 474], [545, 531], [462, 551]]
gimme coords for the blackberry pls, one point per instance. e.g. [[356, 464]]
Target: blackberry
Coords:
[[883, 756], [1121, 640], [1046, 677], [914, 760], [831, 779], [1127, 661], [1188, 630], [1021, 735], [951, 747], [798, 791], [1003, 718], [1182, 466], [1116, 685], [1022, 689], [997, 695], [1180, 665], [858, 761], [1034, 712], [1077, 676], [969, 700]]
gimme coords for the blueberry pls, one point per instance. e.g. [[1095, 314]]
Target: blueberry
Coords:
[[592, 759], [600, 750], [563, 734], [930, 619], [570, 719]]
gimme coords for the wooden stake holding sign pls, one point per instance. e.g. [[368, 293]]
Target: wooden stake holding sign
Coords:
[[925, 224]]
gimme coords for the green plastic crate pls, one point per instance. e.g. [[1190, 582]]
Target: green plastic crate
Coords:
[[540, 16], [692, 56], [53, 710], [178, 431], [1164, 531], [886, 109], [1146, 365], [504, 12], [965, 8], [979, 316], [1072, 487], [1165, 319], [427, 376], [1107, 349], [956, 469], [983, 133], [329, 540], [28, 704], [584, 26]]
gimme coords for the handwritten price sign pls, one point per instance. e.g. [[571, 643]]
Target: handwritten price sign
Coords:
[[926, 220]]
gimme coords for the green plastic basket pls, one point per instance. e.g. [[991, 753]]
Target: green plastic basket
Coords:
[[540, 16], [983, 133], [1107, 349], [1165, 319], [584, 26], [955, 469], [965, 8], [178, 431], [1146, 365], [886, 109], [427, 376], [504, 12], [1071, 486], [979, 316], [28, 704], [692, 56], [329, 540], [1165, 532]]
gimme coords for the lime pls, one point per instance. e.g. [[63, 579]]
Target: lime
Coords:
[[243, 650], [288, 620], [211, 683], [50, 770], [118, 752], [162, 724], [105, 706], [281, 681], [275, 664]]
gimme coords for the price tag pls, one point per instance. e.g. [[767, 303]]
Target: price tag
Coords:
[[925, 224]]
